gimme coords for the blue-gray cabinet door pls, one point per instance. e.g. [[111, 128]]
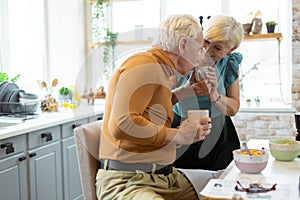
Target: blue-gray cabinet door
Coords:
[[72, 183], [45, 172], [13, 177]]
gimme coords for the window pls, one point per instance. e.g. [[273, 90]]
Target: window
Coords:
[[42, 40], [271, 80], [22, 40]]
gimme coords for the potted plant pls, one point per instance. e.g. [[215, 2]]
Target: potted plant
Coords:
[[65, 93], [4, 77], [248, 102], [271, 26], [257, 101]]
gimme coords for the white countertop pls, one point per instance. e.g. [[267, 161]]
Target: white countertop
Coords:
[[48, 119]]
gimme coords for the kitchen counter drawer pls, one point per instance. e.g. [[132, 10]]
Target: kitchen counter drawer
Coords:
[[12, 146], [68, 128], [96, 117], [44, 136]]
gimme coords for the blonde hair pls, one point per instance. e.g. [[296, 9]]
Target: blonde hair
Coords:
[[173, 28], [223, 28]]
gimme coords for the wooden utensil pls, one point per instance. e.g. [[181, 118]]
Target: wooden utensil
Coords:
[[39, 83], [54, 82], [43, 84]]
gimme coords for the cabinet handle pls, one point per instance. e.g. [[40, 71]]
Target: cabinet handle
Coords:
[[22, 158], [100, 117], [75, 125], [32, 154], [9, 147], [47, 135]]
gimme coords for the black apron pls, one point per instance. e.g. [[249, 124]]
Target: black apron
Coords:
[[215, 152]]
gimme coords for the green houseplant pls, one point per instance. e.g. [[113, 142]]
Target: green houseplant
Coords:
[[65, 93], [271, 26], [4, 77], [103, 35], [248, 102]]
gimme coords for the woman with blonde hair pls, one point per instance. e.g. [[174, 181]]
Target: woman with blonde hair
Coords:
[[222, 35]]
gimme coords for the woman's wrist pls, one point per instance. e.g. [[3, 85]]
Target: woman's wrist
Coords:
[[216, 98]]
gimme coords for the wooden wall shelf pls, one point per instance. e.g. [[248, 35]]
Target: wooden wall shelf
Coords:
[[135, 42], [92, 98], [267, 36], [94, 1]]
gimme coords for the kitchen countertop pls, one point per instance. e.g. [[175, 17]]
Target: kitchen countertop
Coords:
[[48, 119]]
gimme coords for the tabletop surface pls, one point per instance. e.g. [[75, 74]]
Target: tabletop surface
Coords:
[[286, 174]]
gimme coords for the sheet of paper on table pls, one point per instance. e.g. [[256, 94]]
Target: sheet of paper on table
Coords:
[[224, 189]]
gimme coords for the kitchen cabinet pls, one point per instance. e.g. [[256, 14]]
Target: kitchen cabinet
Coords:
[[95, 117], [44, 163], [38, 158], [13, 168], [71, 176]]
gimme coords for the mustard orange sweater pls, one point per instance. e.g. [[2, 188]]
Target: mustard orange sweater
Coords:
[[138, 109]]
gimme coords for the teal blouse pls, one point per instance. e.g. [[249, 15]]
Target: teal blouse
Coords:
[[227, 71]]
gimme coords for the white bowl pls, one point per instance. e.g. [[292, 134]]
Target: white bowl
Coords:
[[250, 164]]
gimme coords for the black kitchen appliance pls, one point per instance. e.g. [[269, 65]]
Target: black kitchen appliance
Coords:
[[297, 120]]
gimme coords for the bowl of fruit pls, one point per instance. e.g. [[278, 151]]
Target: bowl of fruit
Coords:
[[250, 161], [284, 149]]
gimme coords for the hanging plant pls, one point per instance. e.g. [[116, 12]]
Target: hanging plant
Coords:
[[109, 47], [104, 36], [99, 21]]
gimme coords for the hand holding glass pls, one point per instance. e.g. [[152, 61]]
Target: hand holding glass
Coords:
[[200, 73], [196, 114]]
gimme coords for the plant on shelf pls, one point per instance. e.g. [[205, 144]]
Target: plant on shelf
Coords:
[[4, 77], [248, 102], [271, 26], [103, 35], [271, 23]]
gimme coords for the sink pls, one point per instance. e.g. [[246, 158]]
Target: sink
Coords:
[[7, 122]]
